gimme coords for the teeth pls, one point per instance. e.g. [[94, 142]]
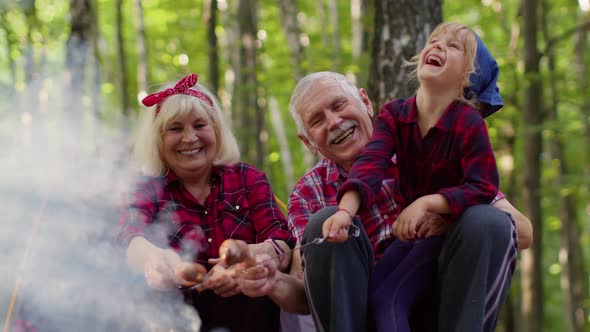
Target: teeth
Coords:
[[343, 136], [192, 151], [433, 59]]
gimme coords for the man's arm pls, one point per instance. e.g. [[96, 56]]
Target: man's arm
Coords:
[[286, 290], [524, 228]]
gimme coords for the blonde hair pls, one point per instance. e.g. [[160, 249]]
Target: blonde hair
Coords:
[[151, 126], [470, 43]]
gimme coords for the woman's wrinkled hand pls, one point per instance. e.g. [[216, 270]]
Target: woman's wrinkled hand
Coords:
[[164, 270]]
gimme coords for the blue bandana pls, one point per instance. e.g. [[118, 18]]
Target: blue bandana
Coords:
[[483, 81]]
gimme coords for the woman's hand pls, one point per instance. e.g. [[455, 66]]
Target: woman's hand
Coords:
[[260, 279], [164, 270]]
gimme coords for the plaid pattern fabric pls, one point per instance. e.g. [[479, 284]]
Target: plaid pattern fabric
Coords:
[[241, 206], [454, 159], [318, 188]]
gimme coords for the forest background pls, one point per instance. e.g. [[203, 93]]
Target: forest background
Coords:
[[89, 62]]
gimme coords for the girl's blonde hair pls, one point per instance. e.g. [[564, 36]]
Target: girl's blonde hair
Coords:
[[152, 126], [470, 43]]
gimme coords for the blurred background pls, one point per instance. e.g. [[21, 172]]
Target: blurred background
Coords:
[[72, 74]]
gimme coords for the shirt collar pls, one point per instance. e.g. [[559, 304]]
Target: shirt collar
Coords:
[[170, 178], [334, 172], [408, 113]]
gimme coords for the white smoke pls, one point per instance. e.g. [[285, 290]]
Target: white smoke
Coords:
[[62, 177]]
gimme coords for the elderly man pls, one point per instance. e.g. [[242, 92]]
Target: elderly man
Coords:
[[476, 262]]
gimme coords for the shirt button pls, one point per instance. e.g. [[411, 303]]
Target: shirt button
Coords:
[[206, 213], [237, 207], [209, 240], [385, 216]]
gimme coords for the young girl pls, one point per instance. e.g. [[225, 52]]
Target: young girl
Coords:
[[445, 164]]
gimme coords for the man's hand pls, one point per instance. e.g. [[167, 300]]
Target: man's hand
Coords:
[[260, 279], [335, 228], [433, 225], [222, 279]]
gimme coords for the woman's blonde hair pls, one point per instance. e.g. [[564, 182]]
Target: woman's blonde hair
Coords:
[[151, 127], [470, 43]]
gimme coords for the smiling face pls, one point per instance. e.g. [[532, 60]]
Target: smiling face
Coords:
[[447, 59], [189, 144], [335, 122]]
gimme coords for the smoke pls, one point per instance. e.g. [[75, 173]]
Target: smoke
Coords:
[[62, 177]]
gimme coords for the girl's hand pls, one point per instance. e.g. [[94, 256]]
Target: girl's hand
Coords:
[[409, 221], [335, 228]]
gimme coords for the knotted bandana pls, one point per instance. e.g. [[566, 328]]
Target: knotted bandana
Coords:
[[182, 87], [483, 81]]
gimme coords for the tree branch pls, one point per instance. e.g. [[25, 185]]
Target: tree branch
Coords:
[[585, 25]]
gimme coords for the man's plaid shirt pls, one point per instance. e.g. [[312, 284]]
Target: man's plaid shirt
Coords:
[[318, 188]]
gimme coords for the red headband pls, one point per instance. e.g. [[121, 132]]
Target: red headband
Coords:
[[182, 87]]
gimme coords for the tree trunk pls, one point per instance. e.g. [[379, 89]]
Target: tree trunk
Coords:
[[213, 70], [10, 42], [583, 70], [96, 66], [30, 12], [580, 294], [279, 129], [142, 50], [335, 24], [321, 9], [357, 29], [401, 30], [77, 46], [122, 63], [248, 88], [570, 253], [288, 10], [532, 305]]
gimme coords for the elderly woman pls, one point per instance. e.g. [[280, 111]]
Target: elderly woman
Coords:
[[196, 195]]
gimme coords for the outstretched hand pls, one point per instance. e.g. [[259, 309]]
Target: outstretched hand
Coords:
[[164, 270]]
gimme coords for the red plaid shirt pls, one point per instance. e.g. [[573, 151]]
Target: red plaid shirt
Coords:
[[318, 188], [241, 206], [454, 159]]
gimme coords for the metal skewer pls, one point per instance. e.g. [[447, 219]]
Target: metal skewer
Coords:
[[355, 231]]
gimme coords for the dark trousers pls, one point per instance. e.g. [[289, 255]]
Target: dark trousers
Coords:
[[475, 264], [403, 275]]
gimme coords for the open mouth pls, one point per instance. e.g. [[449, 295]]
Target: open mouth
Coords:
[[344, 136], [191, 151], [434, 60]]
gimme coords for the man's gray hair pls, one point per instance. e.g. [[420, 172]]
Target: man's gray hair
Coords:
[[307, 82]]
